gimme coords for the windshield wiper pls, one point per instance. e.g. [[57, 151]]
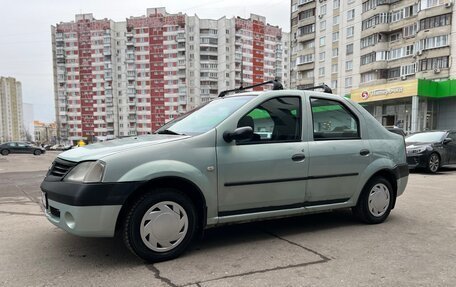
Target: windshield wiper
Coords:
[[169, 132]]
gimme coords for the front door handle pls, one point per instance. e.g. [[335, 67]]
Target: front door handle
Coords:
[[298, 157], [364, 152]]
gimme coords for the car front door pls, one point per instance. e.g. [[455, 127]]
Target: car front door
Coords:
[[267, 172], [338, 154], [22, 148], [451, 147]]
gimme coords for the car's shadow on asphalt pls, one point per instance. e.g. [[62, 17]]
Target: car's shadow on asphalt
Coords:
[[445, 170], [112, 252]]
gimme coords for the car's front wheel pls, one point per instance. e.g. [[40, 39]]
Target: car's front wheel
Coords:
[[375, 202], [5, 152], [37, 152], [160, 225], [433, 163]]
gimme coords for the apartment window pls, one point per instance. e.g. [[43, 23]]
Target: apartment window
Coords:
[[308, 44], [348, 65], [397, 15], [322, 41], [368, 58], [335, 36], [368, 77], [395, 37], [434, 42], [335, 52], [426, 4], [336, 20], [369, 41], [381, 56], [305, 59], [306, 14], [350, 31], [348, 82], [380, 18], [336, 4], [334, 84], [294, 8], [409, 50], [408, 70], [394, 73], [321, 56], [323, 9], [308, 29], [396, 54], [323, 25], [349, 49], [434, 63], [321, 71], [350, 14], [334, 68], [437, 21], [410, 31]]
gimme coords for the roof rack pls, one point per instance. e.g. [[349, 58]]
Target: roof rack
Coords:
[[326, 88], [276, 86]]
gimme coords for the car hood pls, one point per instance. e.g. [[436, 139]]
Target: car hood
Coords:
[[417, 144], [100, 150]]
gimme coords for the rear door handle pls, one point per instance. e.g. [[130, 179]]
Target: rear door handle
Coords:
[[298, 157], [364, 152]]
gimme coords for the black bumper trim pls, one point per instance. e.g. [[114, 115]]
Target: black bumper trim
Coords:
[[401, 170], [82, 194]]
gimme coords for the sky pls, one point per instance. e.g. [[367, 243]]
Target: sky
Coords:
[[25, 36]]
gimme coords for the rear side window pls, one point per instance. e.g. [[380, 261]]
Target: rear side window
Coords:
[[333, 121]]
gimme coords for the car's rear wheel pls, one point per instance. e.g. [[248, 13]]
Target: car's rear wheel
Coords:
[[5, 152], [160, 225], [433, 163], [37, 152], [375, 202]]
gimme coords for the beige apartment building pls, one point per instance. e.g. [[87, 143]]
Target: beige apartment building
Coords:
[[11, 128], [392, 56]]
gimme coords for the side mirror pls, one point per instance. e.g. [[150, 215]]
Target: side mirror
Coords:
[[242, 133], [447, 140]]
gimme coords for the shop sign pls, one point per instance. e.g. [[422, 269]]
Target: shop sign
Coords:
[[385, 92]]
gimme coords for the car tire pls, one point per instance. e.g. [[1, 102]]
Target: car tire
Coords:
[[5, 152], [433, 163], [37, 152], [375, 202], [175, 225]]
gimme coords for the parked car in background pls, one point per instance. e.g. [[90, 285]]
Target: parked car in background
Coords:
[[20, 147], [239, 158], [60, 147], [431, 150]]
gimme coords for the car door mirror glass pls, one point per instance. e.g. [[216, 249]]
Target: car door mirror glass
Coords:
[[242, 133]]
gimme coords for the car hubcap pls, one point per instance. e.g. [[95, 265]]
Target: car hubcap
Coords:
[[164, 226], [434, 163], [379, 199]]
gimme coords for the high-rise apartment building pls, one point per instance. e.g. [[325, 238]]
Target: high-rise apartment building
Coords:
[[381, 53], [129, 78], [11, 128]]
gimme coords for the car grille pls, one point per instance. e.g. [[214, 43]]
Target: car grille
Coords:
[[60, 168]]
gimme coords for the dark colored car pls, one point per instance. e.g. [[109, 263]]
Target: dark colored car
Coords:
[[20, 147], [431, 150]]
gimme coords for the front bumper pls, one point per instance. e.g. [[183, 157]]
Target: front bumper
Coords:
[[417, 161], [86, 209]]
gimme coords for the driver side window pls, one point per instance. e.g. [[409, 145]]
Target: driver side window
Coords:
[[276, 120]]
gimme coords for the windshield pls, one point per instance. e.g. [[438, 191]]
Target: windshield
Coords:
[[426, 137], [206, 117]]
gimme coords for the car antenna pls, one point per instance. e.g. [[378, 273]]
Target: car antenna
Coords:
[[276, 86], [326, 88]]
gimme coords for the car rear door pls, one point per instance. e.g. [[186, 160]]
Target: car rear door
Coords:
[[451, 146], [338, 153], [268, 172]]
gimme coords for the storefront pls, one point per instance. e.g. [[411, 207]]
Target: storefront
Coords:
[[414, 105]]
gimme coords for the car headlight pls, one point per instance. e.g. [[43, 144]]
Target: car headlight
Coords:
[[418, 150], [86, 172]]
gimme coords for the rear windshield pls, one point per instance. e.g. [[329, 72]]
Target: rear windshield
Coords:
[[206, 117]]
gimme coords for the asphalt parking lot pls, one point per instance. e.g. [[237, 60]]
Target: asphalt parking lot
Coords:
[[416, 246]]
